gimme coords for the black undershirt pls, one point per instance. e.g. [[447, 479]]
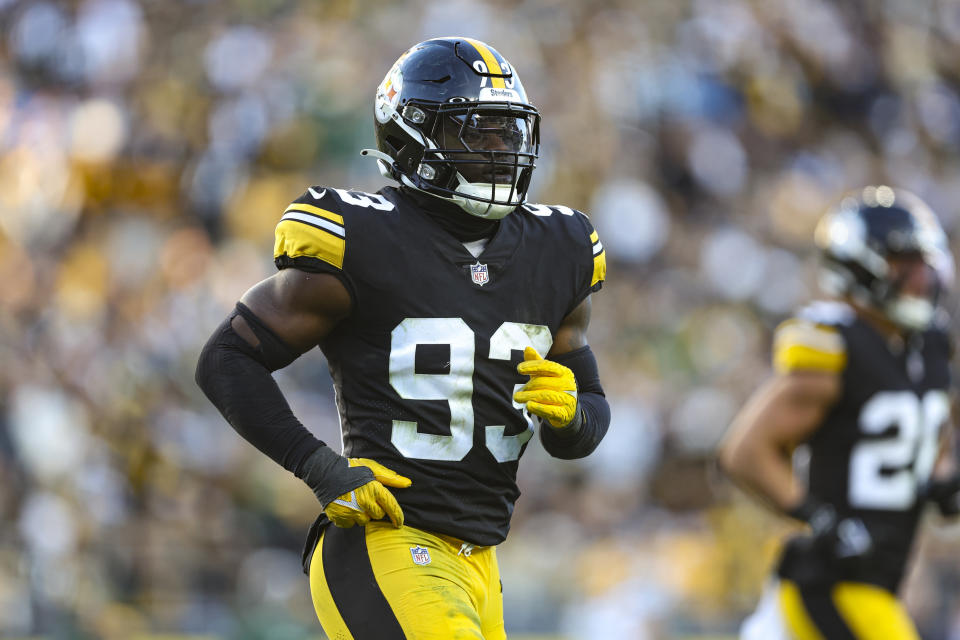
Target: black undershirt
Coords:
[[450, 217]]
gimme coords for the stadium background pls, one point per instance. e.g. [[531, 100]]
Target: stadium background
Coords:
[[148, 148]]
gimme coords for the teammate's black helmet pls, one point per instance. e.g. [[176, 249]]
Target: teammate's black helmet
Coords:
[[860, 235], [452, 119]]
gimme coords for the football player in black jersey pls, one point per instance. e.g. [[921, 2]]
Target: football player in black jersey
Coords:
[[864, 383], [432, 302]]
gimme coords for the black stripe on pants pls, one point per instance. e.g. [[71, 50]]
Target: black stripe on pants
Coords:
[[354, 588], [824, 614]]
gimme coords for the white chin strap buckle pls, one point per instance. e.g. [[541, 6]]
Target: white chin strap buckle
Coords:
[[910, 312]]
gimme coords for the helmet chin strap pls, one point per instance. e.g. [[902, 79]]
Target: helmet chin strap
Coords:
[[913, 313], [907, 312], [486, 210]]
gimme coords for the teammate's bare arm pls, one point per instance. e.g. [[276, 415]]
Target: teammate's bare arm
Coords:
[[787, 410]]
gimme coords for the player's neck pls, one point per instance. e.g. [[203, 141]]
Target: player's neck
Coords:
[[881, 324], [460, 224]]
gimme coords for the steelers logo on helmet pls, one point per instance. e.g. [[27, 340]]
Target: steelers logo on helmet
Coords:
[[452, 119], [388, 93], [884, 248]]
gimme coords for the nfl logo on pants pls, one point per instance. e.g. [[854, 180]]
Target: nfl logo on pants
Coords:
[[479, 273], [421, 555]]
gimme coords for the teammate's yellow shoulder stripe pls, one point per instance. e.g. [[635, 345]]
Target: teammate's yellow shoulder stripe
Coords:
[[296, 239], [493, 66], [317, 211], [594, 236], [801, 358], [803, 345]]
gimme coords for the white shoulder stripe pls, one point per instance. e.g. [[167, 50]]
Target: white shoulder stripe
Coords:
[[828, 312], [316, 221], [597, 248]]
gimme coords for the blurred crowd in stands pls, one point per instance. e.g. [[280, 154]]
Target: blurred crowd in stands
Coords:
[[148, 148]]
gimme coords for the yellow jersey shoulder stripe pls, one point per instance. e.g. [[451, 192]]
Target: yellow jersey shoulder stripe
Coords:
[[297, 240], [599, 268], [802, 345], [314, 221], [314, 233], [599, 259], [317, 211]]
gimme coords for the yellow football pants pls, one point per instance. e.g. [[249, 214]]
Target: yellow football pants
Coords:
[[845, 611], [381, 583]]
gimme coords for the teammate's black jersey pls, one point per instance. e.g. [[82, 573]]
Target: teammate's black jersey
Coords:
[[877, 446], [424, 367]]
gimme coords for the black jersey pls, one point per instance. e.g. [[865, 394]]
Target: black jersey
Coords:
[[878, 444], [424, 368]]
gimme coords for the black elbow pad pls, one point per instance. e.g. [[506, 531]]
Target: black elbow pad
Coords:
[[272, 352]]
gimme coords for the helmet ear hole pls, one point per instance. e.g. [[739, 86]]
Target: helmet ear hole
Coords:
[[394, 143]]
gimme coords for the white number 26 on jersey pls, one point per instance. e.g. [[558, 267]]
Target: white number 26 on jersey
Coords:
[[455, 387], [886, 473]]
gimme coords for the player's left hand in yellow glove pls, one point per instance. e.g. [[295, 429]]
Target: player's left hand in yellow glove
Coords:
[[370, 501], [551, 392]]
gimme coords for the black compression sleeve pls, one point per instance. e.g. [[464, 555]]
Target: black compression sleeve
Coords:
[[582, 437], [236, 378]]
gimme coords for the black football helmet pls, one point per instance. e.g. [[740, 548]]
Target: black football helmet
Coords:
[[452, 119], [857, 239]]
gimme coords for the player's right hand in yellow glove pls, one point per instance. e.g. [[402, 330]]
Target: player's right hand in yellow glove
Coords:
[[371, 501], [353, 491]]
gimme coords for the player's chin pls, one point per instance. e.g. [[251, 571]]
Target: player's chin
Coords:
[[495, 178], [486, 175]]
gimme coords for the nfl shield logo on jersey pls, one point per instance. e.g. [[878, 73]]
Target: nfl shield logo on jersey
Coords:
[[420, 555], [479, 273]]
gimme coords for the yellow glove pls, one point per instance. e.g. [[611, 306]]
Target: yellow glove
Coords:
[[371, 501], [551, 392]]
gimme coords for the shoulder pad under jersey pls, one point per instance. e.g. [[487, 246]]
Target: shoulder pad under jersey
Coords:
[[830, 312], [599, 258], [312, 232], [802, 344]]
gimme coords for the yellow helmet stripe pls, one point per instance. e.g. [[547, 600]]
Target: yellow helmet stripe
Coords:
[[490, 60]]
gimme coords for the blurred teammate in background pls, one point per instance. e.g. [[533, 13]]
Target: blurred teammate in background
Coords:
[[864, 383], [432, 303]]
